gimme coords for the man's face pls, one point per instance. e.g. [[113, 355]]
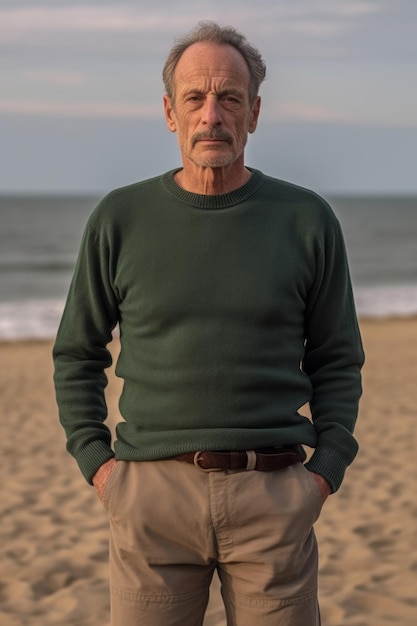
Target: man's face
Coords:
[[211, 112]]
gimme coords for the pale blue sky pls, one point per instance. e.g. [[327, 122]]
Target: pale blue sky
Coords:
[[81, 91]]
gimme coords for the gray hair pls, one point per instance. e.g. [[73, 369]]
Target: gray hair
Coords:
[[213, 33]]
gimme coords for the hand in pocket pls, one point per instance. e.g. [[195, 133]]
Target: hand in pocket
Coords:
[[323, 485], [102, 475]]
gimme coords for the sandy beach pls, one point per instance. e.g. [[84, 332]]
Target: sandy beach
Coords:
[[53, 529]]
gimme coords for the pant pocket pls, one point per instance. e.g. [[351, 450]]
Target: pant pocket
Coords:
[[111, 485], [313, 493]]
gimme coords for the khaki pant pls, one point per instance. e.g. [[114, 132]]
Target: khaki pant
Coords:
[[172, 525]]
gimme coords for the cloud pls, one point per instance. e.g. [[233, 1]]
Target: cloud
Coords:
[[316, 113], [321, 18], [307, 112], [285, 29], [17, 23], [55, 77], [80, 109]]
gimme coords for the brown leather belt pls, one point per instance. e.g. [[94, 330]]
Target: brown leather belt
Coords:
[[262, 460]]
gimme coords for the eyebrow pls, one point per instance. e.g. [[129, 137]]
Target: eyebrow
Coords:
[[228, 91]]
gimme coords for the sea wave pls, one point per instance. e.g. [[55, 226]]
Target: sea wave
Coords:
[[30, 319], [379, 301], [39, 319]]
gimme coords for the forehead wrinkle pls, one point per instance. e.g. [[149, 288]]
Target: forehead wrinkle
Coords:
[[213, 85], [201, 61], [211, 75]]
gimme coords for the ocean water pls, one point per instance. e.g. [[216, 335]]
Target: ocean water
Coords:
[[40, 237]]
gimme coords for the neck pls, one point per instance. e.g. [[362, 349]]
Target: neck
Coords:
[[212, 181]]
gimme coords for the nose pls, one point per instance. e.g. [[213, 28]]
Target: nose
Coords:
[[211, 112]]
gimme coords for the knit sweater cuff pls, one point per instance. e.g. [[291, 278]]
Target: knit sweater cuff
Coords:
[[92, 456], [330, 463]]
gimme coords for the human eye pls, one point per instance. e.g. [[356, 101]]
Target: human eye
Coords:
[[231, 100], [193, 98]]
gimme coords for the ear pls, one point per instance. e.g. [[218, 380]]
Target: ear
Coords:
[[169, 114], [254, 114]]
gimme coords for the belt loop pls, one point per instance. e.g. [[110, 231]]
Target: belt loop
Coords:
[[251, 463]]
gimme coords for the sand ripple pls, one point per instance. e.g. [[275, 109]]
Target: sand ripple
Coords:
[[53, 530]]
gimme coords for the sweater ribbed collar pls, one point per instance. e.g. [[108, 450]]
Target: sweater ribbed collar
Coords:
[[221, 201]]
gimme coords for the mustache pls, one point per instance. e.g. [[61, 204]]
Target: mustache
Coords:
[[214, 133]]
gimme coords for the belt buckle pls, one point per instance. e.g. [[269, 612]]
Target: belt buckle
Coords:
[[250, 463], [197, 458]]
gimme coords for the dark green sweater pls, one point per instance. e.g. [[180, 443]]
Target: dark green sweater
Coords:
[[234, 311]]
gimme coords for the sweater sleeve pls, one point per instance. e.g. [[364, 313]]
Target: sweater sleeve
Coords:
[[333, 358], [81, 356]]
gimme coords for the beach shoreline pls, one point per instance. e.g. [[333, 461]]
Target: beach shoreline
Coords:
[[53, 535]]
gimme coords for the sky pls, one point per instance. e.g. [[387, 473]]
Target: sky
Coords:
[[81, 91]]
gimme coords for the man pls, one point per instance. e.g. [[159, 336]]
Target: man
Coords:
[[232, 293]]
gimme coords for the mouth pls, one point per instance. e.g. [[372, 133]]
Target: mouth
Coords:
[[211, 140]]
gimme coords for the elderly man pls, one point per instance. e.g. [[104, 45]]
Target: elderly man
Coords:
[[232, 293]]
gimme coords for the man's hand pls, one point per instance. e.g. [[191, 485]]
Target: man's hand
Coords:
[[323, 485], [101, 477]]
